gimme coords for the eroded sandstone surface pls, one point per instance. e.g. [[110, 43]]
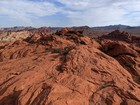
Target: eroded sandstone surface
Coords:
[[68, 68]]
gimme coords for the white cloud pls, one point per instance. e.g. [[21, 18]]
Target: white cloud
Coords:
[[74, 12], [75, 4], [101, 12], [25, 10]]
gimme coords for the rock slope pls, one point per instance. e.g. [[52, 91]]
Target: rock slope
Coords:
[[124, 49], [67, 68]]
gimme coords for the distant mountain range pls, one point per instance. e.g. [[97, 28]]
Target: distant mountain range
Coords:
[[131, 29], [117, 27], [110, 27], [87, 30]]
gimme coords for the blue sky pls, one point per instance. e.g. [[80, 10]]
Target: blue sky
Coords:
[[69, 12]]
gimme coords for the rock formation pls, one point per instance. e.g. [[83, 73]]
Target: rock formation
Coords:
[[118, 35], [67, 68], [126, 52]]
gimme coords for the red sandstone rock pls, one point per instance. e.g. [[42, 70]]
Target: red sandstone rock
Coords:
[[67, 69], [118, 35], [127, 53]]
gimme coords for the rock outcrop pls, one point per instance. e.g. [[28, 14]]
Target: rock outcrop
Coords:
[[67, 68], [118, 35], [127, 53]]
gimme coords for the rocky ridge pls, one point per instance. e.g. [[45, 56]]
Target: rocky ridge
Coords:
[[68, 68], [125, 48]]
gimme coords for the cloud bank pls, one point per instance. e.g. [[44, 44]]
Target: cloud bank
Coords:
[[69, 12]]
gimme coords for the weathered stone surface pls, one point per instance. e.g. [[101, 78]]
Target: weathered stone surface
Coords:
[[68, 69]]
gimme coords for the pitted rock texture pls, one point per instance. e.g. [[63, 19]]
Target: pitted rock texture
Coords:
[[126, 53], [65, 68], [118, 35]]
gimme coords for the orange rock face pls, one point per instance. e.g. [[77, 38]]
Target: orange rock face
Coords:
[[127, 53], [68, 68], [118, 35]]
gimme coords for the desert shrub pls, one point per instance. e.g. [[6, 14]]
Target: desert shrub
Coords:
[[81, 35], [128, 64], [56, 50], [61, 51]]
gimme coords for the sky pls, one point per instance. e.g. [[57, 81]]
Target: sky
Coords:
[[67, 13]]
